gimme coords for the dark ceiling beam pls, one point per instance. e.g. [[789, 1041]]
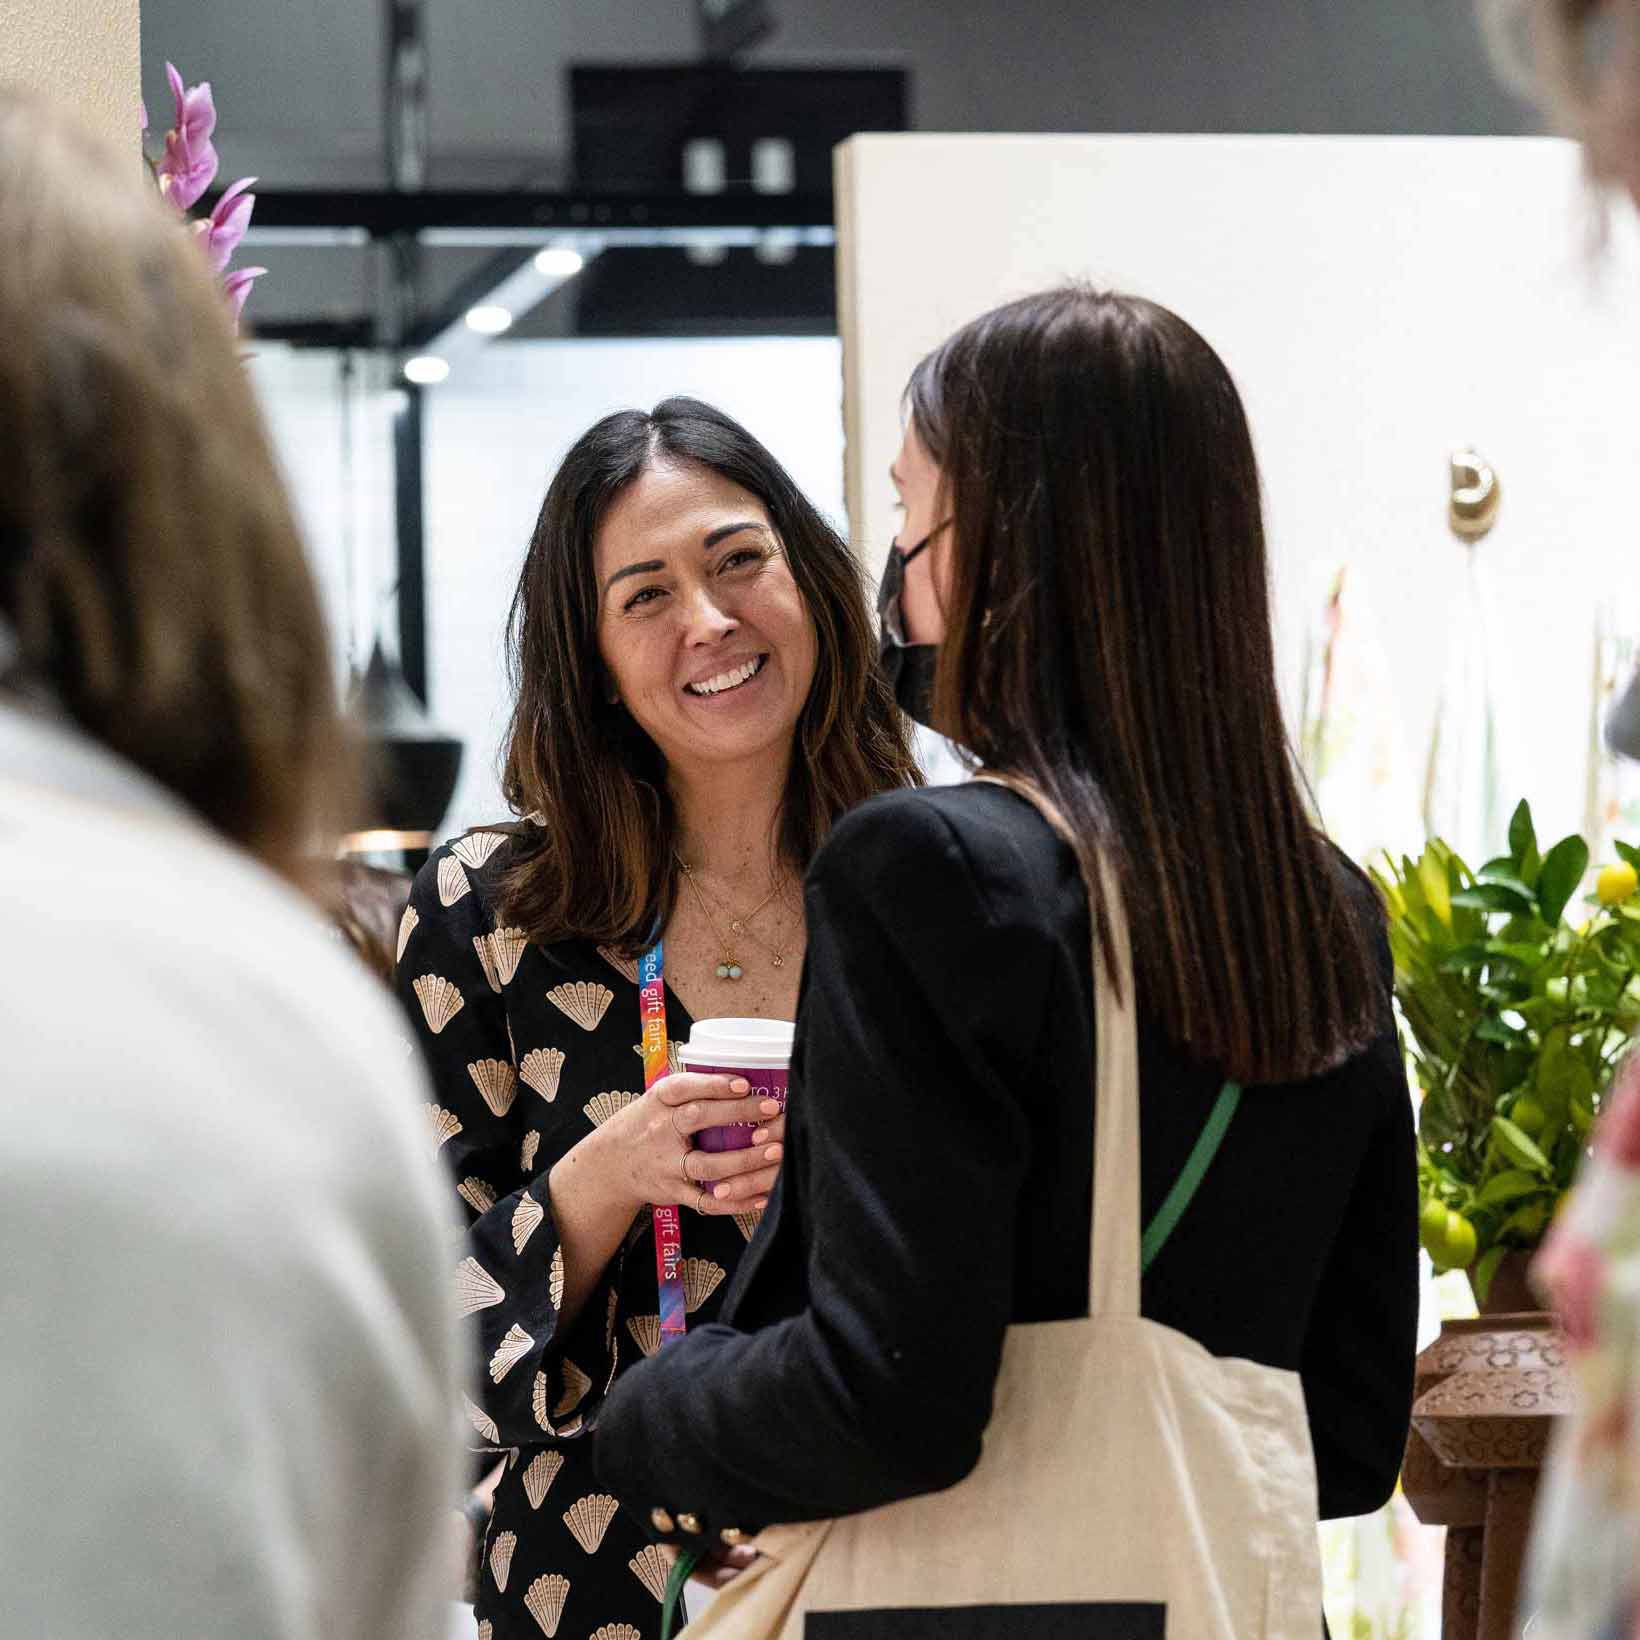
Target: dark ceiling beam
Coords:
[[382, 213]]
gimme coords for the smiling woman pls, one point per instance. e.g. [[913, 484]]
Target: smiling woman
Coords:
[[696, 703]]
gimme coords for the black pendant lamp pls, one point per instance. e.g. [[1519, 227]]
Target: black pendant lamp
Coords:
[[411, 765]]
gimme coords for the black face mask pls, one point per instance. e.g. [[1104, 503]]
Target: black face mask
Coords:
[[909, 667]]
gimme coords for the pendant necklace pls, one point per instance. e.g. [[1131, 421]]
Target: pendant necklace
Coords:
[[728, 964]]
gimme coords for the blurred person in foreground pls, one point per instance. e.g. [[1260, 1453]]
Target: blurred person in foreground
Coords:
[[1580, 60], [229, 1378]]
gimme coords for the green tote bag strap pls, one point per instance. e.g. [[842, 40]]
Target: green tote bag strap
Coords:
[[683, 1568], [1190, 1175]]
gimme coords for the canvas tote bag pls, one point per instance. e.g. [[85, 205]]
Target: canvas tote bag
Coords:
[[1132, 1485]]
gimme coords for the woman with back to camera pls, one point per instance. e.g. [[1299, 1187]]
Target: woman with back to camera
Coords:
[[1084, 565], [230, 1374], [696, 705]]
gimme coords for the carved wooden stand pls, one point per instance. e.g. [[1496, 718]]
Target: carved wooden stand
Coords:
[[1485, 1395]]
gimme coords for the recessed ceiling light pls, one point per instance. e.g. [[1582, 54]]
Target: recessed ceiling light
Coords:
[[559, 262], [426, 369], [489, 319]]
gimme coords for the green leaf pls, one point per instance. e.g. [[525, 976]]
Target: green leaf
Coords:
[[1508, 879], [1514, 1143], [1528, 956], [1487, 1266], [1522, 835], [1627, 851], [1509, 1187], [1437, 891], [1496, 897], [1494, 1030], [1563, 868]]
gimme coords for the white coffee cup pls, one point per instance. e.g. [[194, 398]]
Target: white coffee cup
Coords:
[[758, 1049]]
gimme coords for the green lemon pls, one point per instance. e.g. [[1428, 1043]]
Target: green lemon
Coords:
[[1528, 1115], [1616, 883], [1432, 1225], [1459, 1249]]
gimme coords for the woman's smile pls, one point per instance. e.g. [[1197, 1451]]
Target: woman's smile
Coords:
[[729, 679]]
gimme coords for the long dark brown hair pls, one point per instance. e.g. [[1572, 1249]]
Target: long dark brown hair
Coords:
[[597, 861], [1108, 638], [149, 559]]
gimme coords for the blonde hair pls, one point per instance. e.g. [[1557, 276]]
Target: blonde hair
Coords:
[[150, 562]]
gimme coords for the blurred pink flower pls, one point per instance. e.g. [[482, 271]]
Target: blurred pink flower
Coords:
[[220, 233], [189, 163], [237, 286]]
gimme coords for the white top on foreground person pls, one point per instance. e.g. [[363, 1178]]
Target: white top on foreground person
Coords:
[[228, 1365]]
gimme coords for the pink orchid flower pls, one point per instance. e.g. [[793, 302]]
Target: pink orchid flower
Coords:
[[189, 163], [221, 232], [237, 286]]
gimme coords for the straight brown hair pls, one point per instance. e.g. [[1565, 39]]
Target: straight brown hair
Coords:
[[1108, 638], [149, 559], [597, 863]]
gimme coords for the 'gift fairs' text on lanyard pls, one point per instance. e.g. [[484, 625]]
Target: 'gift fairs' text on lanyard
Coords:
[[668, 1220]]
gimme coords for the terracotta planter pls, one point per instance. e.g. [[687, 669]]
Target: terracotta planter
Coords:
[[1510, 1292], [1485, 1395]]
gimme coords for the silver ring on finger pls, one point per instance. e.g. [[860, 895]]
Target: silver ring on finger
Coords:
[[700, 1200]]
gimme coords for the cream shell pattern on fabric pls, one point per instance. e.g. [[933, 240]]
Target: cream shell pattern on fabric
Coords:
[[541, 1070], [407, 926], [475, 848], [555, 1279], [626, 967], [650, 1568], [646, 1332], [476, 1288], [701, 1278], [538, 1403], [598, 1111], [588, 1519], [477, 1195], [539, 1474], [526, 1219], [442, 1125], [747, 1223], [507, 948], [576, 1385], [497, 1084], [440, 1001], [486, 1630], [545, 1602], [509, 1352], [526, 1153], [612, 1631], [501, 1553], [452, 881], [674, 1062], [486, 960], [582, 1001], [481, 1421]]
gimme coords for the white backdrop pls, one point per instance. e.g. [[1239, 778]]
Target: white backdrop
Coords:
[[495, 435], [1380, 301]]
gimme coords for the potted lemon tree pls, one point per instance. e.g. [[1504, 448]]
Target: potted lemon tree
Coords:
[[1515, 1016]]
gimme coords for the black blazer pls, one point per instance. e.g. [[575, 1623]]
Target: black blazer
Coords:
[[938, 1183]]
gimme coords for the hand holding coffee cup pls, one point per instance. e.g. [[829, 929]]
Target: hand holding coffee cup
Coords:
[[758, 1050], [647, 1150]]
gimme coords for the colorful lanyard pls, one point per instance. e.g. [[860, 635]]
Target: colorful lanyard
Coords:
[[668, 1220]]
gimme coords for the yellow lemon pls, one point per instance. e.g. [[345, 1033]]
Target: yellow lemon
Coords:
[[1528, 1115], [1616, 883], [1432, 1225], [1459, 1250]]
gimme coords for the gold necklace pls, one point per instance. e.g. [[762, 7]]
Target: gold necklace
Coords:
[[728, 964]]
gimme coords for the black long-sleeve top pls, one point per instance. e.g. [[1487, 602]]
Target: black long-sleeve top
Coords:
[[938, 1185]]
